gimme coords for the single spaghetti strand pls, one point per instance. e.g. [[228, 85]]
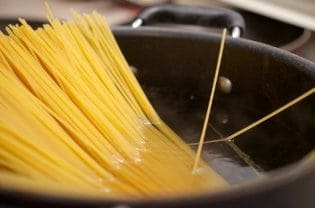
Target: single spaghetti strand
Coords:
[[214, 83], [263, 119]]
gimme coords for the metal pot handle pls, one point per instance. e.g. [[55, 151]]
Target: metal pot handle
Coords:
[[203, 16]]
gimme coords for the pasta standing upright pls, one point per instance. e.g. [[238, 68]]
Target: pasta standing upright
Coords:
[[75, 120]]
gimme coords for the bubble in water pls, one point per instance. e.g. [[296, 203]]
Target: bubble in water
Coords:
[[137, 159], [145, 121], [199, 170], [133, 69], [230, 140], [222, 117], [117, 162]]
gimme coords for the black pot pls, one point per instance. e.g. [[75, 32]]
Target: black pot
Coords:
[[175, 68]]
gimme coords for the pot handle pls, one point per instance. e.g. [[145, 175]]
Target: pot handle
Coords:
[[203, 16]]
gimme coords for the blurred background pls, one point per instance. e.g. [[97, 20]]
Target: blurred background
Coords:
[[287, 24]]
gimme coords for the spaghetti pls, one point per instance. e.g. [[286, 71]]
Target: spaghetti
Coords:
[[74, 118]]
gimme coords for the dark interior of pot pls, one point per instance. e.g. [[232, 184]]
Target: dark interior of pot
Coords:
[[176, 72]]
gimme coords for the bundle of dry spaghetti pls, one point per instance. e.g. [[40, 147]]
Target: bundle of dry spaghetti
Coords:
[[73, 118]]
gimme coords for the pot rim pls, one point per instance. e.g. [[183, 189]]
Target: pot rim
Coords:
[[166, 32]]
